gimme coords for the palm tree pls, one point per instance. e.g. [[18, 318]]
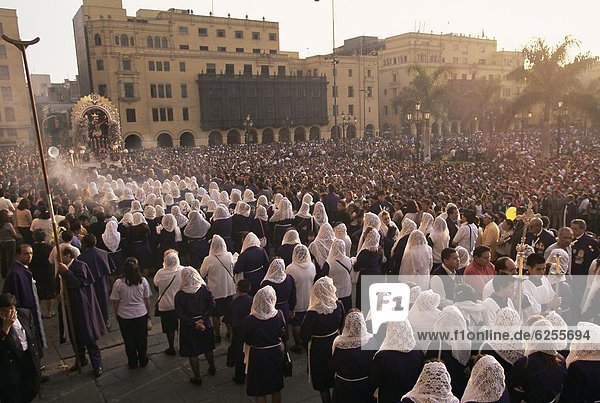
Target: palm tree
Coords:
[[551, 76]]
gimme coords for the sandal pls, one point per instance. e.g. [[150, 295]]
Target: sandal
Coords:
[[196, 381]]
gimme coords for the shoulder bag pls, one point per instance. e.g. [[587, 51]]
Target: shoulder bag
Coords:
[[156, 311]]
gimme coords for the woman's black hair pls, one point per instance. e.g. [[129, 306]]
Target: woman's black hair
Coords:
[[131, 272]]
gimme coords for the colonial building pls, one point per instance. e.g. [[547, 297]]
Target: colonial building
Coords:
[[184, 79], [15, 111]]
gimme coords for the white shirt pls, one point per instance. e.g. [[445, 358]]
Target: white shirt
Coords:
[[538, 295], [466, 237], [162, 278], [437, 285], [218, 275], [488, 289], [131, 298], [341, 277], [18, 328], [6, 204], [491, 310], [303, 277]]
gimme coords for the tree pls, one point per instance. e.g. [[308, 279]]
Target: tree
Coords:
[[551, 75]]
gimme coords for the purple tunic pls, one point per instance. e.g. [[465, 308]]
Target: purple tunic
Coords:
[[253, 264], [189, 309], [100, 266]]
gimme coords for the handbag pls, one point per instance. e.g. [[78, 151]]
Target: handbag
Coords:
[[156, 311], [286, 362], [263, 238]]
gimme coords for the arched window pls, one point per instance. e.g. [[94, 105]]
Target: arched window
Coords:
[[149, 42], [165, 43], [131, 42], [97, 40], [124, 40], [116, 39], [157, 41]]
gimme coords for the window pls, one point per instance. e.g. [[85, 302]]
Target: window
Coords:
[[153, 92], [264, 71], [272, 36], [481, 61], [149, 42], [205, 48], [299, 73], [464, 76], [273, 51], [255, 50], [239, 50], [99, 64], [184, 93], [247, 69], [116, 39], [220, 33], [7, 94], [394, 77], [186, 114], [385, 91], [167, 66], [369, 92], [168, 92], [130, 115], [350, 91], [369, 73], [9, 114], [170, 114], [151, 65], [127, 65], [202, 32], [11, 132], [281, 70], [102, 89], [124, 40], [164, 42], [128, 90], [163, 114], [131, 42], [183, 30], [221, 49], [2, 52], [229, 69], [256, 36], [211, 68], [184, 47], [239, 34], [181, 66], [349, 72], [97, 40], [155, 114], [161, 90], [350, 109], [159, 66]]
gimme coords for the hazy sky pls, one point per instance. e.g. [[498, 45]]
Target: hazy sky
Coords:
[[305, 25]]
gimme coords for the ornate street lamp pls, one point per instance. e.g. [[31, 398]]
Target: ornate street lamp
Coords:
[[248, 125]]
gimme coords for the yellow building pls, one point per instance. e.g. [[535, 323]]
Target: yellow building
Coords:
[[15, 108], [468, 58], [149, 66]]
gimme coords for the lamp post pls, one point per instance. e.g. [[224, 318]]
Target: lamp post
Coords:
[[346, 122], [420, 118], [248, 125], [560, 112]]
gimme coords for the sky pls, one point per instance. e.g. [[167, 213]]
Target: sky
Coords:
[[305, 25]]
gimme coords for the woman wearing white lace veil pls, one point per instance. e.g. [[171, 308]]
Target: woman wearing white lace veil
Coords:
[[249, 197], [136, 207], [338, 266], [463, 256], [284, 286], [341, 232], [351, 360], [241, 222], [204, 201], [262, 201], [224, 199], [168, 281], [194, 304], [583, 366], [304, 224], [236, 197], [397, 358], [440, 238], [281, 221], [252, 262], [260, 226], [264, 331], [368, 260], [423, 314], [195, 232], [506, 353], [290, 239], [221, 224], [486, 383], [433, 385], [417, 260], [539, 375], [168, 234], [408, 226], [112, 240], [319, 215], [303, 271], [370, 220], [323, 322], [217, 269], [426, 223], [182, 220], [319, 248]]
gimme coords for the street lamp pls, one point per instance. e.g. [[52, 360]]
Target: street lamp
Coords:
[[248, 125], [559, 113], [420, 118], [346, 122]]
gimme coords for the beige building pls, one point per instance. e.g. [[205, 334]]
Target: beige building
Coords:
[[15, 110], [148, 66], [468, 58]]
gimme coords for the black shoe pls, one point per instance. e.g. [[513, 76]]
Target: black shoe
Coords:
[[44, 378], [196, 381], [97, 372], [143, 362], [239, 381], [171, 351], [74, 367], [212, 371]]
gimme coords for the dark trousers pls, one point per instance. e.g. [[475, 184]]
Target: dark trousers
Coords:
[[237, 345], [29, 385], [7, 255], [135, 337], [93, 351]]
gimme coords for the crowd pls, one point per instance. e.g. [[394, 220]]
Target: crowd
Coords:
[[267, 249]]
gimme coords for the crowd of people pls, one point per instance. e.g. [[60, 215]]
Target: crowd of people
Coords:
[[266, 250]]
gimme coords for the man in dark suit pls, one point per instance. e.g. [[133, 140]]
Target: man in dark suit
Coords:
[[539, 237], [101, 267], [447, 276], [584, 248], [382, 204], [19, 353], [452, 221], [330, 201], [99, 226]]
